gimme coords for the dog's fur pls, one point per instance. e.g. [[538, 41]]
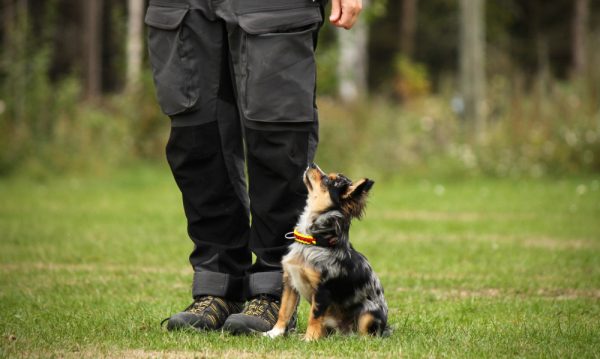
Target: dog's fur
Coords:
[[344, 292]]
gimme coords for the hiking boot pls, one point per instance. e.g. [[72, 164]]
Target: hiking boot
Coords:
[[206, 313], [259, 315]]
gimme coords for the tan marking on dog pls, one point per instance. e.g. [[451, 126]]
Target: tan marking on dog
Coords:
[[301, 278], [364, 323], [289, 303], [315, 329], [311, 276], [353, 187], [318, 194], [353, 204]]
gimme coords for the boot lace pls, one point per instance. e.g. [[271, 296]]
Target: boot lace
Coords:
[[259, 305], [200, 305], [197, 307]]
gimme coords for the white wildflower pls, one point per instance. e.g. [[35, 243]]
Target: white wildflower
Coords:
[[439, 190]]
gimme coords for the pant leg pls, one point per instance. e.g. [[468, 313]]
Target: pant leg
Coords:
[[189, 54], [272, 47]]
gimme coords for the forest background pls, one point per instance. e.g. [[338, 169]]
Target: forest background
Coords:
[[459, 88], [478, 120]]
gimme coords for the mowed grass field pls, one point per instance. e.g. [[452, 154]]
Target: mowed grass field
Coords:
[[471, 268]]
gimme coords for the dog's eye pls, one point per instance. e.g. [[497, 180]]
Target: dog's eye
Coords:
[[341, 181], [325, 180]]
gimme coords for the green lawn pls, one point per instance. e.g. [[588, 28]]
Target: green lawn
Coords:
[[476, 268]]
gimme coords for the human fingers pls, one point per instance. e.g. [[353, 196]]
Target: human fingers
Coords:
[[336, 11], [349, 13]]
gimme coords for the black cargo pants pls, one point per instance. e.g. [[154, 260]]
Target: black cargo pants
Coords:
[[237, 79]]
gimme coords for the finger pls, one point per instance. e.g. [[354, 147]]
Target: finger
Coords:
[[347, 19], [336, 11]]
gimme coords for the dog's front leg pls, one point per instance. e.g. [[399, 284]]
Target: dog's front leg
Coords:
[[289, 303], [319, 305]]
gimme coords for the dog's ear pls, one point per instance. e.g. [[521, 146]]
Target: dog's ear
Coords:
[[355, 198], [359, 188]]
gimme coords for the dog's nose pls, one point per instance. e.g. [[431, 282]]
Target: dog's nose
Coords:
[[312, 165]]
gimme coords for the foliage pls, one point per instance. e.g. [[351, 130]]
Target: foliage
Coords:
[[545, 126], [46, 127], [527, 135], [327, 58], [471, 268], [560, 134], [411, 79], [555, 133]]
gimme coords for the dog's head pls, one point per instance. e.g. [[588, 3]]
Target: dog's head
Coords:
[[336, 192]]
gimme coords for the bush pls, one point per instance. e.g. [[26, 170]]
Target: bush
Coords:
[[554, 128], [411, 79], [534, 134]]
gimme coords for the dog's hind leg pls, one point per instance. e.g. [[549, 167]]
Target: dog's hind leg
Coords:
[[289, 303], [316, 326], [370, 323], [320, 303], [365, 323]]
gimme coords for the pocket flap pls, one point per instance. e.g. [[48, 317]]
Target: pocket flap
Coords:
[[166, 18], [257, 23]]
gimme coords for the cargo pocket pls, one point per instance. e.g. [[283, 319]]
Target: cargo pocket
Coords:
[[171, 66], [280, 65]]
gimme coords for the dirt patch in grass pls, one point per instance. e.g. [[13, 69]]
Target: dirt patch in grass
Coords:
[[449, 216], [80, 267], [88, 353], [461, 293], [553, 243], [139, 353], [530, 242]]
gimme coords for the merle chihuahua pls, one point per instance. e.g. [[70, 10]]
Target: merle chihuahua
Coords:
[[323, 267]]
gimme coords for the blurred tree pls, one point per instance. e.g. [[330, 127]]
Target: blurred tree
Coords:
[[472, 62], [579, 34], [408, 25], [353, 60], [16, 41], [93, 47], [8, 14], [542, 50], [135, 43], [528, 39]]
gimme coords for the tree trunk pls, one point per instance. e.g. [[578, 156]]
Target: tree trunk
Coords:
[[93, 47], [472, 62], [8, 14], [353, 60], [408, 25], [542, 71], [135, 43], [18, 52], [579, 36]]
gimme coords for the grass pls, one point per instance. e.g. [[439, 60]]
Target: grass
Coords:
[[472, 268]]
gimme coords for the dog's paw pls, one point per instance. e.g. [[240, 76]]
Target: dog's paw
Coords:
[[308, 338], [274, 333]]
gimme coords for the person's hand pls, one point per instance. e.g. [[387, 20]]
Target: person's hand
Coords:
[[344, 13]]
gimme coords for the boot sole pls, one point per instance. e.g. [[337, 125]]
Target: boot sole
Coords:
[[239, 328]]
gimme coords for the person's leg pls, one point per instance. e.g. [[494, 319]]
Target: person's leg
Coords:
[[189, 54], [272, 48]]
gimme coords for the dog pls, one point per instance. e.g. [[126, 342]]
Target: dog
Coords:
[[323, 267]]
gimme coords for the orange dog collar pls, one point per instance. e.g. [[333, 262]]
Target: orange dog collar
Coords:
[[304, 238]]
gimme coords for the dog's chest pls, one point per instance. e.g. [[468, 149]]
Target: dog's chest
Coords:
[[302, 275], [299, 280]]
